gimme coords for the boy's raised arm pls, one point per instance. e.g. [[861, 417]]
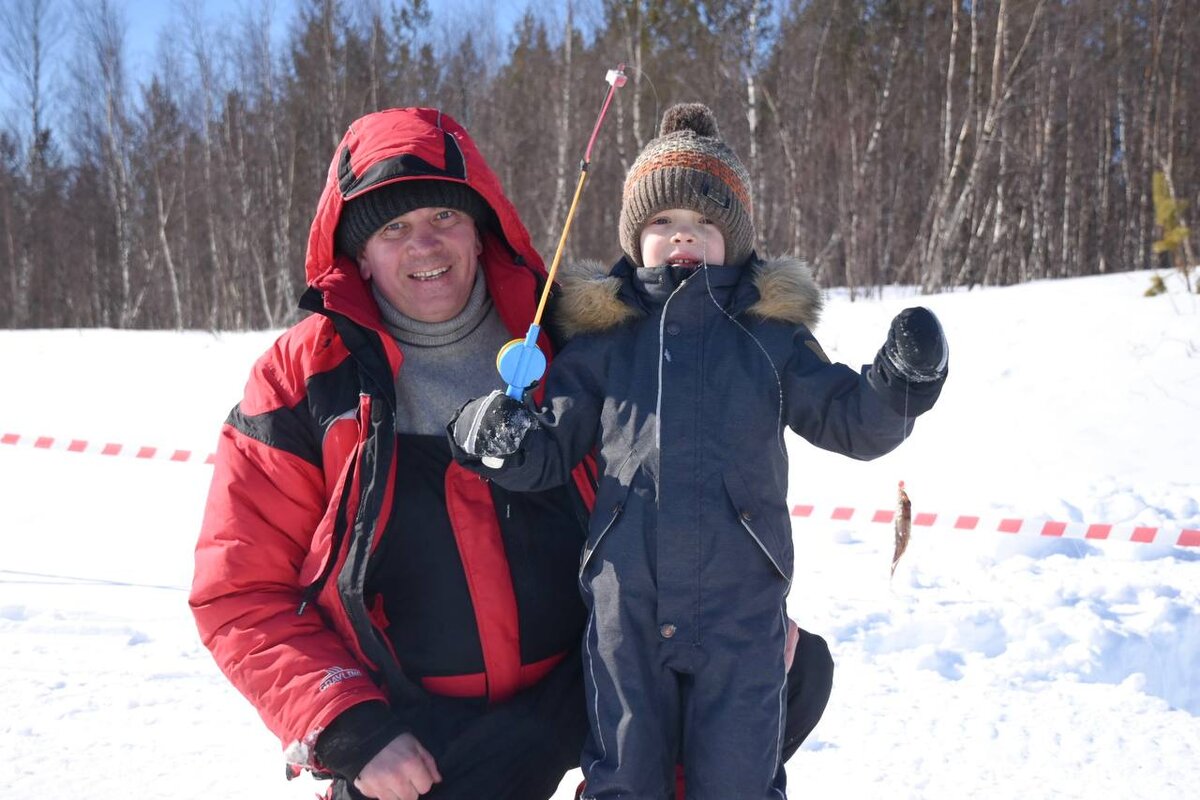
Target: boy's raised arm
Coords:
[[866, 415]]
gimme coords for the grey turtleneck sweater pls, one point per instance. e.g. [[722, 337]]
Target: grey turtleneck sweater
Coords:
[[445, 363]]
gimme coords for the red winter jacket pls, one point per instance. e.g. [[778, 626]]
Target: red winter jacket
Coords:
[[302, 488]]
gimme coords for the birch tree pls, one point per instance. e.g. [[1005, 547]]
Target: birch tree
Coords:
[[103, 134], [30, 33]]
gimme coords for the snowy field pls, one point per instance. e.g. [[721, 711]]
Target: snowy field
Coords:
[[991, 666]]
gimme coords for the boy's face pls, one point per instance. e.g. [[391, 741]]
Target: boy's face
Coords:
[[680, 237]]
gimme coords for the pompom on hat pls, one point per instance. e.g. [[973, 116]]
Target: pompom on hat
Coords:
[[689, 166]]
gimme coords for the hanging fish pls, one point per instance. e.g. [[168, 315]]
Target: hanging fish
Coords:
[[902, 524]]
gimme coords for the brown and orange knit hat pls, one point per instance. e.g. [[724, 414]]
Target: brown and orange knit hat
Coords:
[[688, 166]]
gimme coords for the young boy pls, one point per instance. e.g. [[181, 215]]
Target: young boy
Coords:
[[687, 360]]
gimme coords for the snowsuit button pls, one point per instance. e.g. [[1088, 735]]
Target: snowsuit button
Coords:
[[667, 630], [673, 328]]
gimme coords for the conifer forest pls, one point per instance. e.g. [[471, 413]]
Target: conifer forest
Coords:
[[938, 143]]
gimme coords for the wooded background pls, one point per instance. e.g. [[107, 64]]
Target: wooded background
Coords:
[[942, 143]]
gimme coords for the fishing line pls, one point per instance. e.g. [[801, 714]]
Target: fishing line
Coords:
[[653, 88], [712, 297], [779, 441], [774, 369], [902, 525]]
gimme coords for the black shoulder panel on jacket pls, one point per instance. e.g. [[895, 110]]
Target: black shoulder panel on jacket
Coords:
[[291, 430]]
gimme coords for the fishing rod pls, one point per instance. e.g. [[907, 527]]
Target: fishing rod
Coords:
[[521, 362]]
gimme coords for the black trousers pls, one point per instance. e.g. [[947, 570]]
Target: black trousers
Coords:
[[520, 750]]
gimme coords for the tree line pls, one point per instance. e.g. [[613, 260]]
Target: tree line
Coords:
[[941, 143]]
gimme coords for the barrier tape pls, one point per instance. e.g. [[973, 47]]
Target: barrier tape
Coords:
[[106, 449], [1141, 534], [1016, 526]]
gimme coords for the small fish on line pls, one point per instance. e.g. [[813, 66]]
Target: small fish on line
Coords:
[[902, 524]]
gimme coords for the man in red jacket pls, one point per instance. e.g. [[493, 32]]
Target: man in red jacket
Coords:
[[401, 625]]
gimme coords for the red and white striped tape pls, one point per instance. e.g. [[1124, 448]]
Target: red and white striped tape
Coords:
[[106, 448], [1141, 534]]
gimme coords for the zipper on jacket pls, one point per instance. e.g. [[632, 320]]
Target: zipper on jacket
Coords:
[[339, 533], [663, 355], [588, 551], [744, 518]]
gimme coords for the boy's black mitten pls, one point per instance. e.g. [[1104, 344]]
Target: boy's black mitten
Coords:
[[916, 348], [492, 425]]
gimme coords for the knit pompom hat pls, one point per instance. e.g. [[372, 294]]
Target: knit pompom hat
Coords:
[[367, 213], [689, 166]]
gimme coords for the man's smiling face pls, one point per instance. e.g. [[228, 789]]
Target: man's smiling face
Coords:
[[424, 262]]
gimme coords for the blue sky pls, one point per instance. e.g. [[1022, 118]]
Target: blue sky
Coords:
[[145, 20], [147, 17]]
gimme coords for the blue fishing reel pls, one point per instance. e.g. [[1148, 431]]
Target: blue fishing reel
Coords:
[[521, 363]]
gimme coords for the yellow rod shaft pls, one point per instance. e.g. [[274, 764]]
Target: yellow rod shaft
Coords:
[[562, 243]]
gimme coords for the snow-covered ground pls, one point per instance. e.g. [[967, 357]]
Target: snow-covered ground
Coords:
[[991, 666]]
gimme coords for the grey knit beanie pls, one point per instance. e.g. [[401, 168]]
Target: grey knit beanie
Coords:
[[688, 166], [367, 213]]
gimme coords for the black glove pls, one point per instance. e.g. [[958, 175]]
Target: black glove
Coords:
[[916, 349], [357, 735], [492, 425]]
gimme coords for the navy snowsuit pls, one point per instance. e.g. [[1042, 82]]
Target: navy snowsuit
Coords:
[[684, 382]]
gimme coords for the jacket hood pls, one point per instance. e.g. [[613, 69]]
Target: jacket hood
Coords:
[[410, 144], [591, 300]]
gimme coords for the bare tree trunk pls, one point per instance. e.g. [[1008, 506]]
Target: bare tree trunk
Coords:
[[10, 251], [751, 80], [861, 166], [117, 176], [948, 105], [330, 61], [635, 36], [1166, 155], [950, 210], [793, 172], [280, 182], [806, 137], [932, 253], [104, 42], [558, 208], [1001, 241], [376, 46], [29, 32], [1128, 238], [99, 308], [978, 235], [1103, 212], [201, 55], [162, 207], [800, 193], [1043, 158], [242, 226], [1160, 12], [999, 245], [1066, 251], [848, 229]]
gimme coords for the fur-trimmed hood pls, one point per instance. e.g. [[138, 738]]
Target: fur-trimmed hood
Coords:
[[591, 300]]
